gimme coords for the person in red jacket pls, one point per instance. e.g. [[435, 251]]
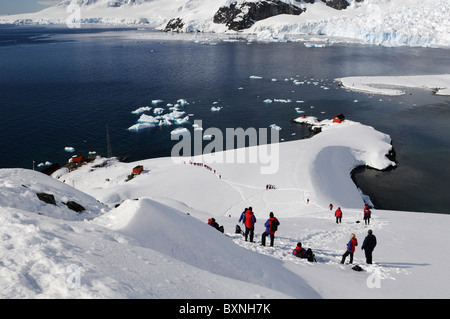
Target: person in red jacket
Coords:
[[271, 227], [338, 215], [350, 249], [249, 221], [367, 214], [299, 251]]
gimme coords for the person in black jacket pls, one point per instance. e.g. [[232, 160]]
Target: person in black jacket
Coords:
[[369, 245]]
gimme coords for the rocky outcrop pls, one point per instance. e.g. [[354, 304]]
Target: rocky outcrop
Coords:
[[47, 198], [335, 4], [74, 206], [175, 24], [50, 199], [244, 15]]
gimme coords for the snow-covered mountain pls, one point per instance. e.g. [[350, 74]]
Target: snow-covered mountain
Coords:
[[387, 22], [148, 237]]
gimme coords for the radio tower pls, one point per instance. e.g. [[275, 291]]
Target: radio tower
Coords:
[[108, 144]]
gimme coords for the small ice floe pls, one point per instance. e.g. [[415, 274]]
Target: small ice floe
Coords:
[[142, 110], [273, 80], [207, 137], [255, 77], [216, 108], [47, 163], [141, 126], [148, 119], [69, 149], [275, 127], [180, 131], [315, 45], [158, 111], [154, 102], [268, 101], [282, 100], [197, 127], [182, 102], [297, 82], [183, 120]]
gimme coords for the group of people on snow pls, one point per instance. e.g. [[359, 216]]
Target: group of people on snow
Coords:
[[368, 246], [248, 218], [369, 242], [367, 214]]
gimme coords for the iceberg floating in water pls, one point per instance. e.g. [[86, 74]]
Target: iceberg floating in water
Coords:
[[255, 77], [275, 127], [283, 100], [183, 120], [142, 110], [180, 131], [158, 110], [148, 119], [69, 149], [141, 126], [182, 102]]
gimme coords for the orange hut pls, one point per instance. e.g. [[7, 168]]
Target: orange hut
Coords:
[[138, 169], [77, 159], [339, 118]]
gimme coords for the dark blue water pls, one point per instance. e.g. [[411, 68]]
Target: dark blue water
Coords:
[[61, 87]]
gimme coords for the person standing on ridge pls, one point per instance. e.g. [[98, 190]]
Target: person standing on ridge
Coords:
[[367, 214], [350, 249], [241, 219], [368, 245], [249, 221], [338, 215], [271, 227]]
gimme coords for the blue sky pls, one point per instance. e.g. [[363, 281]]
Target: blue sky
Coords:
[[24, 6]]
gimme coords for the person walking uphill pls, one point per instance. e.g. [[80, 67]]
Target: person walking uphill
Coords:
[[271, 227], [249, 222], [350, 249], [368, 246], [338, 215]]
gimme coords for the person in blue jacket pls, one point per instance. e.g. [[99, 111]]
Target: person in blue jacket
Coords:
[[241, 219], [271, 227]]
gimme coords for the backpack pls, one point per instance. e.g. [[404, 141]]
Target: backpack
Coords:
[[310, 255], [239, 230], [273, 225], [357, 268]]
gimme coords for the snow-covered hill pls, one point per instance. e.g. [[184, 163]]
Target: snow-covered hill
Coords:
[[148, 237], [386, 22]]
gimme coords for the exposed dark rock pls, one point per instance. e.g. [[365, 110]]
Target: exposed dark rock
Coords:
[[337, 4], [47, 198], [175, 24], [74, 206], [244, 15]]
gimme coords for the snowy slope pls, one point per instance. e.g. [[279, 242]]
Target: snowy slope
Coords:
[[156, 243], [383, 22]]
